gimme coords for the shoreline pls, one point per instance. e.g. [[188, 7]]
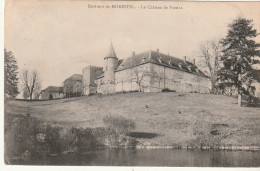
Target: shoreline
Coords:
[[232, 148]]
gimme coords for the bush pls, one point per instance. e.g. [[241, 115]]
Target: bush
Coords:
[[207, 134], [119, 124], [28, 136], [167, 90]]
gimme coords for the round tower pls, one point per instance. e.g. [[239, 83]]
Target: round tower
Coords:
[[111, 62]]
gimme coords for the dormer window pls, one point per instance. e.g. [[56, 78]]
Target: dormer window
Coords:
[[143, 59], [180, 66], [170, 62], [160, 60], [189, 68]]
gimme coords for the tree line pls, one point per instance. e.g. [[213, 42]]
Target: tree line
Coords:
[[30, 82], [229, 62]]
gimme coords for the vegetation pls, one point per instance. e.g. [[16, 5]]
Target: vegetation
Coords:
[[139, 75], [177, 119], [119, 124], [239, 50], [210, 60], [208, 134], [26, 136], [10, 75], [31, 83]]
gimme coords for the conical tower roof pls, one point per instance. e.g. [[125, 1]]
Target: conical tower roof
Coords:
[[111, 52]]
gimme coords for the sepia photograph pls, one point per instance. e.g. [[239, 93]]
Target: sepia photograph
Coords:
[[131, 83]]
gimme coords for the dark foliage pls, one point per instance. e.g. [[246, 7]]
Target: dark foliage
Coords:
[[27, 137], [167, 90], [10, 74], [239, 50], [119, 124]]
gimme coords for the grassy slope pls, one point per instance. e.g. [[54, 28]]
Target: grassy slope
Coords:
[[169, 115]]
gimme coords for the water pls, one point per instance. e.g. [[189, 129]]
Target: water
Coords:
[[158, 157]]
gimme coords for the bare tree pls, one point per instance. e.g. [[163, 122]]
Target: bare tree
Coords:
[[210, 59], [25, 93], [139, 73], [159, 76], [31, 82]]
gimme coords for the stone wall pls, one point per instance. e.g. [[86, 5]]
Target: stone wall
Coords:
[[73, 88], [90, 74], [180, 81], [155, 79], [55, 95], [109, 69], [126, 80]]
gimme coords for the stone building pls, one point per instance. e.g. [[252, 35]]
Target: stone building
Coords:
[[150, 71], [51, 92], [73, 86], [90, 73]]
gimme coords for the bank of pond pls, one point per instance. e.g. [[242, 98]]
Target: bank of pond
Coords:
[[30, 141]]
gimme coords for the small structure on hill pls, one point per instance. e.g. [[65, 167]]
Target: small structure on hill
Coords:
[[90, 73], [73, 86], [51, 92]]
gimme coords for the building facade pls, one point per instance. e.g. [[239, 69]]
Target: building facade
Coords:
[[51, 92], [73, 86], [90, 73], [149, 71]]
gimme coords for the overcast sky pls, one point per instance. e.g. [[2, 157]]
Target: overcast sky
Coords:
[[59, 38]]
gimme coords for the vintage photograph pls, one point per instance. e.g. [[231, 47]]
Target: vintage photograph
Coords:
[[144, 83]]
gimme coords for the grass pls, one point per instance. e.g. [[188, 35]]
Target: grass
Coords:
[[175, 119]]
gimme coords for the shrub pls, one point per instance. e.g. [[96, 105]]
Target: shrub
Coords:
[[167, 90], [119, 124], [209, 134]]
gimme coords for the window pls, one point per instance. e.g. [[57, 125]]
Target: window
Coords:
[[189, 68], [160, 60], [170, 62], [180, 65]]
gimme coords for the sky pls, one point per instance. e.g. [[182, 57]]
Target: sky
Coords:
[[59, 38]]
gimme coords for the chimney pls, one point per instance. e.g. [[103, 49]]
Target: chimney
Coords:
[[133, 53], [193, 61], [150, 54], [158, 50], [184, 58]]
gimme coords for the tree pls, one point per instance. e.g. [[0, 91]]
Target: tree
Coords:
[[25, 93], [139, 74], [31, 82], [239, 50], [210, 60], [10, 74], [157, 76]]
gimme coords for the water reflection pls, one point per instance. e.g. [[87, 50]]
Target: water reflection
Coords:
[[160, 157]]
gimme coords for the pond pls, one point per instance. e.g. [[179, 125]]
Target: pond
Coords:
[[157, 157]]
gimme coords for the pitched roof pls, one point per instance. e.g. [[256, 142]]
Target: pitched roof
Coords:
[[160, 59], [54, 89], [111, 52], [75, 77]]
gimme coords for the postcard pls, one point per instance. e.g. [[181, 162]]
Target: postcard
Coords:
[[131, 83]]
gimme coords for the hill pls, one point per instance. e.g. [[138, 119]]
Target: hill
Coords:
[[161, 118]]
